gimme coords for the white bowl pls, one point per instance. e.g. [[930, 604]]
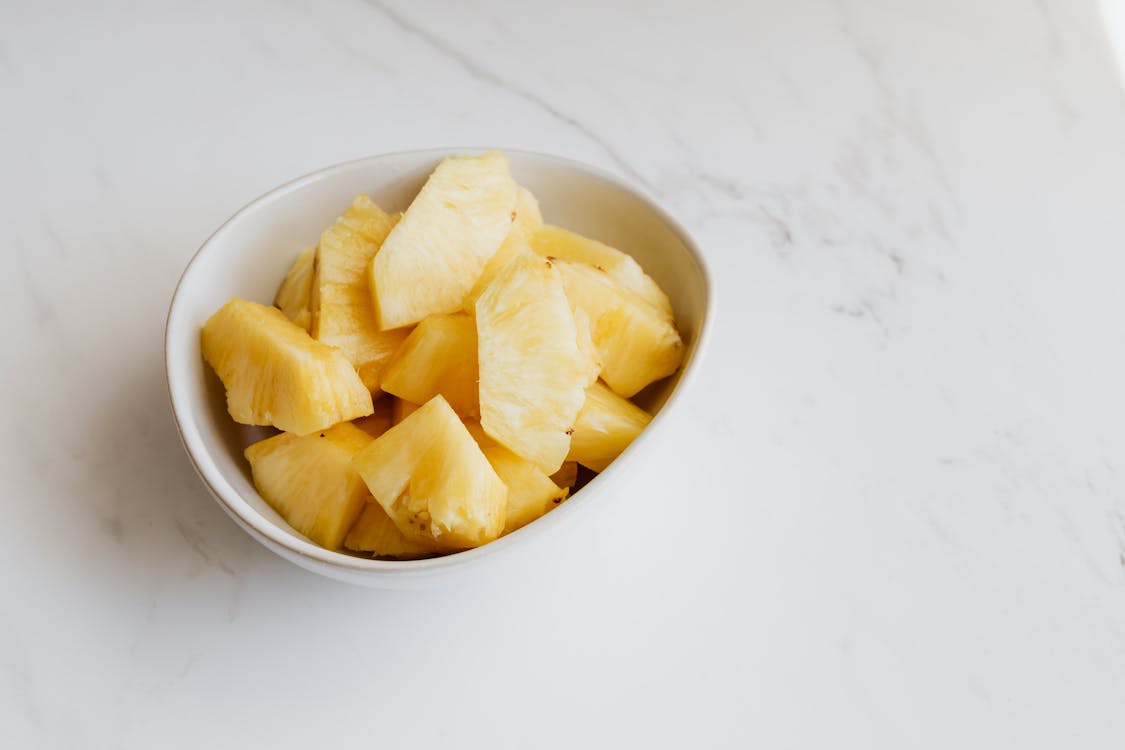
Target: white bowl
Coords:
[[250, 253]]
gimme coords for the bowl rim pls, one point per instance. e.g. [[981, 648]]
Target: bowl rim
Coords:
[[199, 454]]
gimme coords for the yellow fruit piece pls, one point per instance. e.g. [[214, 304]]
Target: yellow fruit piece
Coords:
[[528, 221], [566, 245], [532, 377], [310, 482], [376, 533], [431, 478], [531, 493], [431, 260], [296, 289], [605, 427], [276, 374], [637, 343], [380, 420], [567, 476], [589, 357], [342, 312], [402, 409], [439, 356]]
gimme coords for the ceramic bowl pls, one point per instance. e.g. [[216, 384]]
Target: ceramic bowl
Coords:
[[249, 254]]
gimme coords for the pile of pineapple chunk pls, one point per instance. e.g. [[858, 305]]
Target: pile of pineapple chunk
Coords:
[[439, 376]]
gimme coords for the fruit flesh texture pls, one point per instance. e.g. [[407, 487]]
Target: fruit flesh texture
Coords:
[[435, 254], [560, 243], [377, 534], [532, 377], [434, 482], [341, 307], [295, 292], [309, 480], [439, 356], [528, 220], [276, 374], [605, 426], [637, 343], [531, 493]]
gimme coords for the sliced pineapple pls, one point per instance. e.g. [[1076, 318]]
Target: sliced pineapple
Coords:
[[531, 493], [560, 243], [310, 482], [275, 374], [402, 409], [532, 376], [296, 289], [431, 478], [376, 533], [637, 343], [528, 221], [342, 312], [567, 476], [380, 420], [605, 427], [431, 260], [439, 356]]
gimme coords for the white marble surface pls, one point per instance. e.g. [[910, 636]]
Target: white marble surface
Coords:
[[893, 515]]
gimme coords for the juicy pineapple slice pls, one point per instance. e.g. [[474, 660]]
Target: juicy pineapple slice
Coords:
[[380, 420], [605, 427], [532, 377], [567, 476], [531, 493], [431, 478], [431, 260], [638, 344], [376, 533], [310, 482], [528, 221], [402, 409], [439, 356], [275, 374], [296, 289], [342, 312], [560, 243]]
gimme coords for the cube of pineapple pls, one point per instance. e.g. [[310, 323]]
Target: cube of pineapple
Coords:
[[531, 493], [638, 344], [605, 427], [431, 260], [431, 478], [527, 222], [309, 480], [560, 243], [376, 533], [276, 374], [342, 311], [296, 289], [532, 376], [439, 356]]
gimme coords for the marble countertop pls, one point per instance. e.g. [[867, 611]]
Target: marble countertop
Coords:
[[893, 514]]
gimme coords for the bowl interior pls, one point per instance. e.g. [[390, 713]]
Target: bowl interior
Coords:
[[248, 256]]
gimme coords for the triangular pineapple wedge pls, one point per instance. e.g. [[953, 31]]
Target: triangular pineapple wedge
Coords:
[[532, 374], [310, 482], [638, 343], [431, 260], [439, 356], [376, 533], [275, 374], [527, 222], [296, 289], [433, 481], [606, 426], [560, 243], [342, 312]]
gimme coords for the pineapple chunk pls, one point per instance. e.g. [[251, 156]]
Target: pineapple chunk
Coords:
[[275, 374], [439, 356], [376, 533], [431, 478], [431, 260], [342, 311], [531, 493], [528, 221], [559, 243], [567, 476], [637, 343], [532, 377], [605, 427], [402, 409], [380, 420], [310, 482], [296, 289]]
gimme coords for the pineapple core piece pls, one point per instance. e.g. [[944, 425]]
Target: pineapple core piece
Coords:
[[528, 221], [638, 343], [310, 482], [431, 478], [296, 289], [605, 427], [439, 356], [376, 533], [342, 312], [532, 375], [560, 243], [435, 254], [275, 374]]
